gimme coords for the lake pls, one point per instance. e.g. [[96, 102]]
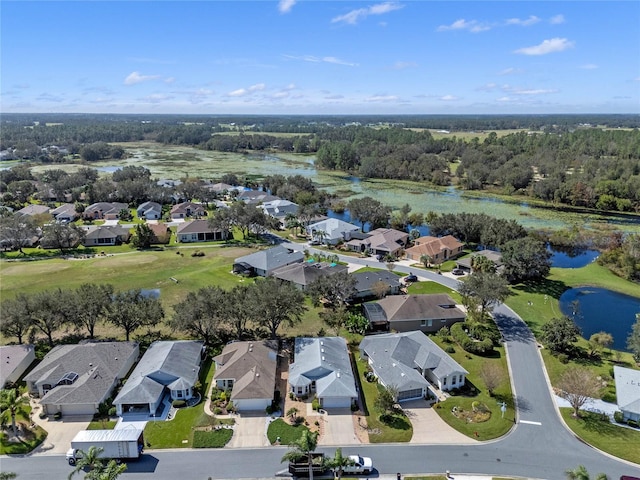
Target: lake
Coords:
[[599, 309], [572, 258]]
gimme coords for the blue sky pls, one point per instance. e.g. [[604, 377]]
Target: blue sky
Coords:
[[320, 57]]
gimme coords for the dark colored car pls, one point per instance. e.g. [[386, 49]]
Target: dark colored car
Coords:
[[410, 278], [457, 271]]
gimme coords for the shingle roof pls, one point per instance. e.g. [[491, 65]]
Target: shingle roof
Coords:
[[195, 226], [395, 357], [10, 357], [252, 366], [627, 388], [366, 280], [164, 362], [272, 258], [433, 245], [97, 365], [66, 209], [106, 231], [412, 307], [306, 273], [325, 360]]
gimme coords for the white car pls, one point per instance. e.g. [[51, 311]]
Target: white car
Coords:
[[359, 465]]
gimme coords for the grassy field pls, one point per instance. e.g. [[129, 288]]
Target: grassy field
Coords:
[[288, 433], [619, 441]]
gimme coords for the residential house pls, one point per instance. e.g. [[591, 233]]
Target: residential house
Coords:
[[187, 210], [31, 210], [167, 369], [411, 362], [437, 249], [333, 231], [248, 369], [627, 383], [161, 233], [65, 213], [218, 188], [279, 209], [381, 241], [106, 235], [256, 197], [495, 257], [104, 210], [322, 367], [405, 313], [367, 283], [149, 211], [303, 274], [199, 231], [168, 183], [264, 262], [76, 379], [14, 361]]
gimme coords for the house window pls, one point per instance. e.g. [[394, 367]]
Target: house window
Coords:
[[460, 379], [229, 383], [179, 394], [444, 381], [430, 323], [299, 390], [423, 323]]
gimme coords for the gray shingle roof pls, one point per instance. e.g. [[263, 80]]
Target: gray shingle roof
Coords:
[[411, 307], [97, 365], [10, 357], [272, 258], [395, 357], [325, 360], [366, 280], [196, 226], [627, 388], [164, 362], [306, 273]]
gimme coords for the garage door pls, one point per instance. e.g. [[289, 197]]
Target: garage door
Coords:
[[77, 409], [336, 402], [253, 404], [407, 394]]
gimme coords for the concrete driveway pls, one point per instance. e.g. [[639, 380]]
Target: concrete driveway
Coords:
[[428, 427], [60, 432], [250, 430], [338, 428]]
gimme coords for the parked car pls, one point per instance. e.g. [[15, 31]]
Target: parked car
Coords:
[[457, 271], [410, 278], [359, 465]]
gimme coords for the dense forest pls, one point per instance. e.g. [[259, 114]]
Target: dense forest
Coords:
[[590, 161]]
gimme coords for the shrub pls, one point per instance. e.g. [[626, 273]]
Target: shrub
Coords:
[[112, 412], [632, 423], [354, 407], [43, 415], [450, 349], [563, 358], [197, 253], [269, 410], [178, 404], [217, 411], [291, 396], [57, 416], [618, 417], [315, 404]]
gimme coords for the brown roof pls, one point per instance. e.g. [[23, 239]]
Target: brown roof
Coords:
[[434, 245], [417, 307], [252, 366], [196, 226]]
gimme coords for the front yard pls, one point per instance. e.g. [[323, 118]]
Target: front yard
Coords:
[[30, 435]]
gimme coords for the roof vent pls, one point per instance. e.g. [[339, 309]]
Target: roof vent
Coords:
[[323, 358]]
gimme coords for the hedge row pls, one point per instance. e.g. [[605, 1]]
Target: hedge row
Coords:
[[477, 347]]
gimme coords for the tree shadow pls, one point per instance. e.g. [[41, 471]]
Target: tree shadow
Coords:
[[552, 288]]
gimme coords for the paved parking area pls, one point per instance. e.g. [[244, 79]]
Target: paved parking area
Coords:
[[60, 432], [338, 428], [250, 430], [429, 428]]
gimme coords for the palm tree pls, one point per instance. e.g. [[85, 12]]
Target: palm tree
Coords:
[[292, 412], [425, 260], [8, 475], [302, 448], [89, 460], [581, 473], [338, 462], [480, 263], [110, 471], [12, 404]]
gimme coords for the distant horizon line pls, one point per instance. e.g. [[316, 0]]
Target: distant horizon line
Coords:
[[329, 114]]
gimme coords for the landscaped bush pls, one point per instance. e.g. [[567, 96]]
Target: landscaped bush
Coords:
[[212, 439], [43, 415], [57, 416], [450, 349], [315, 403], [632, 423], [482, 347], [197, 253], [217, 411], [563, 358], [618, 417], [112, 412], [179, 404]]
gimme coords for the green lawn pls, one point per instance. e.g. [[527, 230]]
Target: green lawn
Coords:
[[424, 288], [608, 437], [288, 433], [28, 442], [102, 424], [379, 432]]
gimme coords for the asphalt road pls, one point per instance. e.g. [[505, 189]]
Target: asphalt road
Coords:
[[538, 446]]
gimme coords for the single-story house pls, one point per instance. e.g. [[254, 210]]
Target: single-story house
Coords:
[[161, 233], [149, 210], [65, 213], [186, 210], [279, 209], [334, 231], [264, 262], [495, 257], [322, 367], [409, 362], [104, 210], [248, 369], [366, 283], [438, 249], [405, 313], [31, 210], [303, 274], [167, 367], [628, 392], [218, 188], [199, 231], [105, 235], [255, 197], [168, 183], [76, 379], [14, 361], [381, 241]]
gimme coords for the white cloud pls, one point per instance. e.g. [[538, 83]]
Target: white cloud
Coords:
[[556, 19], [532, 20], [488, 87], [403, 65], [382, 98], [136, 77], [361, 13], [257, 87], [238, 93], [334, 97], [242, 92], [49, 97], [448, 98], [472, 25], [547, 46], [510, 71], [285, 6], [282, 94], [169, 80], [589, 66], [314, 59], [534, 91], [156, 98]]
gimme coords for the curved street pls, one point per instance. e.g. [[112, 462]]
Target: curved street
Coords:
[[539, 446]]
